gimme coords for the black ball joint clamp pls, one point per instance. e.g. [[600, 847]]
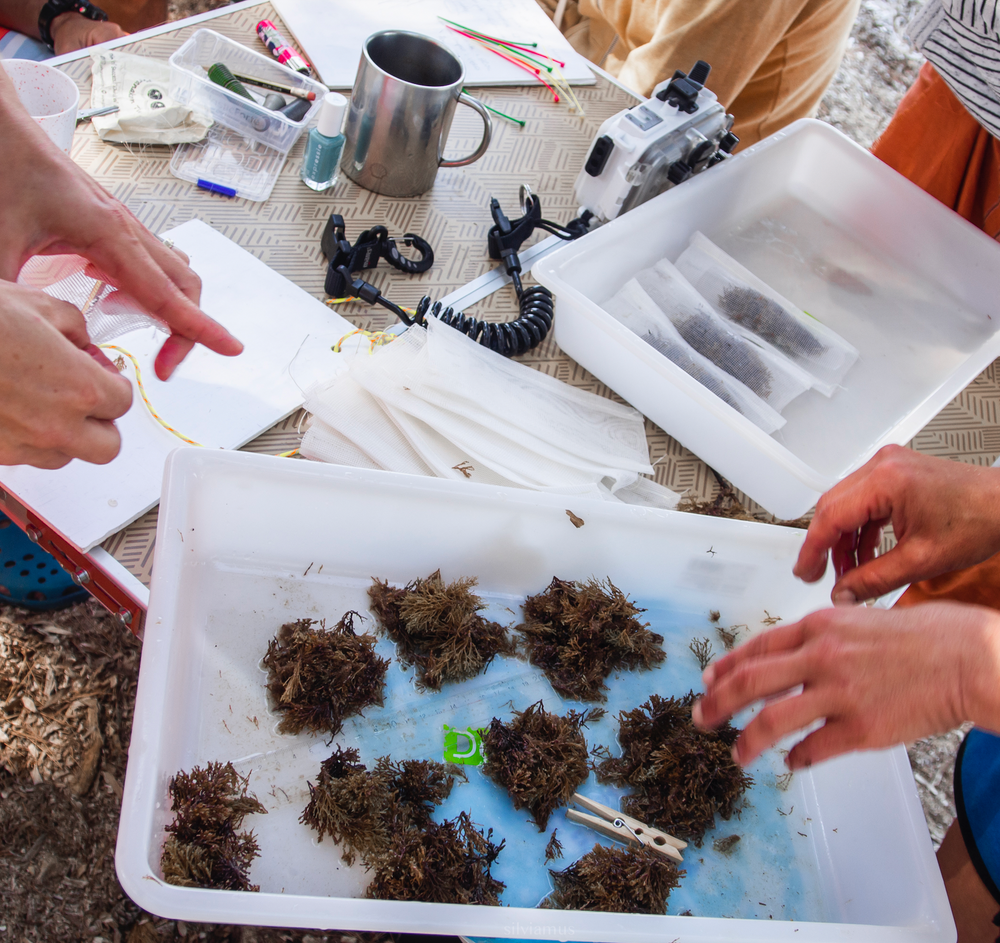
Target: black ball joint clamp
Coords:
[[509, 338], [372, 245]]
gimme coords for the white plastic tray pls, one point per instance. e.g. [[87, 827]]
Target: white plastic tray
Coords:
[[928, 327], [247, 542]]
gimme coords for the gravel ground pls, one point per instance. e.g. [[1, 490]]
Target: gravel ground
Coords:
[[57, 880]]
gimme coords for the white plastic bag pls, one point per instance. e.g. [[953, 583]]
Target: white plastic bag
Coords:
[[640, 314], [771, 375], [739, 296]]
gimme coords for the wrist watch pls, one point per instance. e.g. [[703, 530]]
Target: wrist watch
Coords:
[[54, 8]]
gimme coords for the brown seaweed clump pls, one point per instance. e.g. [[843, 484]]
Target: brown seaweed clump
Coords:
[[204, 847], [447, 864], [616, 880], [578, 633], [681, 776], [319, 677], [437, 627], [384, 817], [539, 758]]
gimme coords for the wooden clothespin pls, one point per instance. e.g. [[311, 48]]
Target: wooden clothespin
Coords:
[[614, 824]]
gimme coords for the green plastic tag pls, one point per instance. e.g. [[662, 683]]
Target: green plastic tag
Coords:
[[463, 745]]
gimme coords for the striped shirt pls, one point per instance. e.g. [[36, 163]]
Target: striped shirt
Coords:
[[961, 39]]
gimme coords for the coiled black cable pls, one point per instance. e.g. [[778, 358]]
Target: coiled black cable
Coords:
[[508, 338]]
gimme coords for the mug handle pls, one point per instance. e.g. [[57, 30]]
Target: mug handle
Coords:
[[477, 105]]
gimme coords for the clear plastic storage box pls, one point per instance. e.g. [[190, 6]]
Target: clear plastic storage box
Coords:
[[247, 542], [190, 85], [895, 273]]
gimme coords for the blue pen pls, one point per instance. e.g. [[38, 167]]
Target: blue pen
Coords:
[[216, 188]]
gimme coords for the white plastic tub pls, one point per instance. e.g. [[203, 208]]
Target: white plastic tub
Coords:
[[190, 85], [927, 327], [247, 542]]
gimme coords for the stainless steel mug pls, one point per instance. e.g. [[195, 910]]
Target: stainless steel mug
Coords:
[[401, 108]]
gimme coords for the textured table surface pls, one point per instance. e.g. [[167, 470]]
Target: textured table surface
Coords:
[[454, 217]]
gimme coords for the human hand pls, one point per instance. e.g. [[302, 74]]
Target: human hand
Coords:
[[945, 516], [59, 394], [71, 31], [49, 206], [877, 677]]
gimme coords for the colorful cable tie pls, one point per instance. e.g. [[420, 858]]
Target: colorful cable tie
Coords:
[[511, 42], [512, 52], [510, 118]]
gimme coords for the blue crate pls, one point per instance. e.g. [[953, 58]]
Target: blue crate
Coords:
[[30, 577]]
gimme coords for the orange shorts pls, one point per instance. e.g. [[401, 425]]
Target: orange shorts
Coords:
[[933, 141]]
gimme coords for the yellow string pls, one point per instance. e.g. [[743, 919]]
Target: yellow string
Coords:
[[330, 302], [288, 454], [145, 398], [375, 339]]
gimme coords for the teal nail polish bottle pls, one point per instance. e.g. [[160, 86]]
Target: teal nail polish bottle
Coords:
[[324, 144]]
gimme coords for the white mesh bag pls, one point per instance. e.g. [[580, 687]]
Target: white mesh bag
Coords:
[[647, 493], [325, 444], [554, 418], [352, 412], [109, 312], [771, 375], [641, 315], [462, 406], [739, 296], [427, 393]]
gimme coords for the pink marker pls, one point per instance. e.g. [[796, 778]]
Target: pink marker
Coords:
[[279, 48]]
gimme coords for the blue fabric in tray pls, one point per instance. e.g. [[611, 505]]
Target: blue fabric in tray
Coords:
[[770, 873]]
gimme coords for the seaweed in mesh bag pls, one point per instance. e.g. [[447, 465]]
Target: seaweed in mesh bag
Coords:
[[729, 353], [677, 355], [769, 320]]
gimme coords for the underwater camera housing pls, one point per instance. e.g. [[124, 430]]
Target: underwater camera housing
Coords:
[[642, 151]]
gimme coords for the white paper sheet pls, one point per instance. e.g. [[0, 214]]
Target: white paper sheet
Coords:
[[221, 402], [331, 33]]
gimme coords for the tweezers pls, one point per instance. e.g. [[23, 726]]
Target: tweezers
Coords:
[[614, 824]]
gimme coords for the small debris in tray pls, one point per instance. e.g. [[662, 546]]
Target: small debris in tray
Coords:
[[726, 845], [701, 648], [578, 633], [728, 636], [318, 677], [554, 848], [204, 847], [616, 880], [539, 758], [384, 817], [437, 627], [681, 776], [769, 321]]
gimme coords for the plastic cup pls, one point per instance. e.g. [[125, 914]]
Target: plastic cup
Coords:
[[51, 97]]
